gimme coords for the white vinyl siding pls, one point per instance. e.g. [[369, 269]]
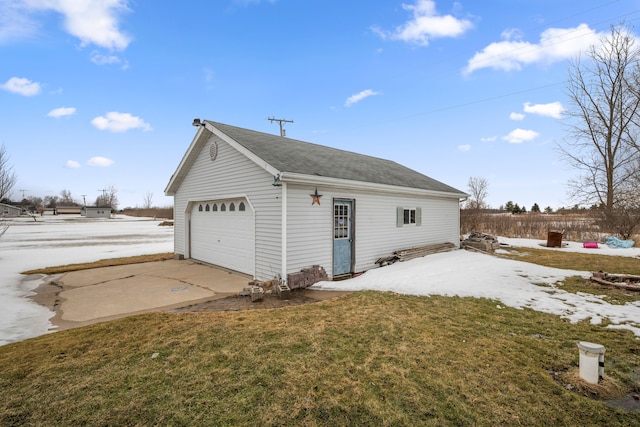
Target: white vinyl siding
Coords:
[[309, 229], [376, 233], [232, 175]]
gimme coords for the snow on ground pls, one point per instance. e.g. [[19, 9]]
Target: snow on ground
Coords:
[[60, 240], [513, 283], [571, 246]]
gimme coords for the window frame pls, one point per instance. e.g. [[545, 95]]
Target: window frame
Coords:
[[408, 216]]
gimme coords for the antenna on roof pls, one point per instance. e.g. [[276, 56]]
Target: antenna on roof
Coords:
[[283, 132]]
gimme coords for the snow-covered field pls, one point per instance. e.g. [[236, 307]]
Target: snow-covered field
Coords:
[[511, 283], [64, 240], [59, 240]]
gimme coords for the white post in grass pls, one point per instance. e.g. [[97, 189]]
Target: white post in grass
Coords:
[[591, 361]]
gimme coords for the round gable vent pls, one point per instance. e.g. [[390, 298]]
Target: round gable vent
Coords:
[[213, 150]]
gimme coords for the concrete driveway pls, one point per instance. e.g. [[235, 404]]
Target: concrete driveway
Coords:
[[88, 296]]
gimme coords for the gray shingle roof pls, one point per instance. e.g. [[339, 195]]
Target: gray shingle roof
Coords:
[[290, 155]]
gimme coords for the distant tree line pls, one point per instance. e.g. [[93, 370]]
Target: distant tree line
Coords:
[[108, 198]]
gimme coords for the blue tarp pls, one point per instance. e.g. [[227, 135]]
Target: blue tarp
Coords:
[[614, 242]]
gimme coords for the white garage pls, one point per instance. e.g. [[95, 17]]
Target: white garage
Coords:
[[303, 205], [222, 233]]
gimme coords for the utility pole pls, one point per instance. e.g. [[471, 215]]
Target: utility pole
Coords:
[[23, 191], [84, 200], [283, 132]]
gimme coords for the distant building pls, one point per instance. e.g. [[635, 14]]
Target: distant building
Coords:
[[97, 211], [68, 210], [9, 210]]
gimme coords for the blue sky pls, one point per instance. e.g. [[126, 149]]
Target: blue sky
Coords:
[[103, 92]]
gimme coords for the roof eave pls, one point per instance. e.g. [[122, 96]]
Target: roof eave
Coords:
[[188, 159], [241, 148], [298, 178]]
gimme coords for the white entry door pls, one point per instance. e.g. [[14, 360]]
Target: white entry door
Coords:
[[222, 233]]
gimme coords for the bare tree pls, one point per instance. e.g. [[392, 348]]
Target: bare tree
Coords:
[[478, 188], [7, 182], [7, 176], [66, 198], [471, 219], [108, 198], [603, 124], [148, 200], [50, 201]]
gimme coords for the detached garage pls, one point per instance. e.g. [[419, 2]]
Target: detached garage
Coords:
[[269, 206]]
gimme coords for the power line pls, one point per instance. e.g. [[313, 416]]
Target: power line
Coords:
[[283, 132]]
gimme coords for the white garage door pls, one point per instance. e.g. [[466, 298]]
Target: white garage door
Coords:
[[222, 234]]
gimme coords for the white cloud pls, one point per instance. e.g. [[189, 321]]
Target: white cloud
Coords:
[[119, 122], [209, 78], [360, 96], [555, 44], [15, 23], [426, 24], [72, 164], [516, 116], [61, 112], [94, 22], [21, 86], [208, 74], [552, 109], [465, 147], [489, 139], [100, 59], [518, 136], [101, 162]]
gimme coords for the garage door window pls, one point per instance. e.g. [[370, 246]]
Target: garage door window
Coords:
[[200, 208], [241, 207], [223, 207], [215, 207], [232, 207], [206, 208]]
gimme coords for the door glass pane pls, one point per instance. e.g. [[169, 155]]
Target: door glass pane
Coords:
[[341, 222]]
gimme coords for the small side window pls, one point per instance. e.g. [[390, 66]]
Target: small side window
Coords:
[[241, 207], [407, 216]]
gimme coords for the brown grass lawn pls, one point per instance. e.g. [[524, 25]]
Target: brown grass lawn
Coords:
[[367, 358], [102, 263]]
